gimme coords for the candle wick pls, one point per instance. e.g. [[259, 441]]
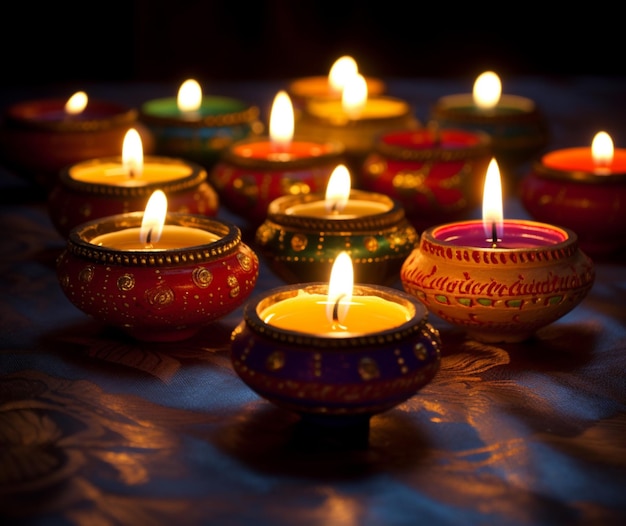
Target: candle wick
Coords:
[[494, 235], [149, 237], [336, 308]]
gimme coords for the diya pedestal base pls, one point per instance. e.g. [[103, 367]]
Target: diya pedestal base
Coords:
[[302, 248], [499, 294], [157, 295], [335, 381], [592, 205]]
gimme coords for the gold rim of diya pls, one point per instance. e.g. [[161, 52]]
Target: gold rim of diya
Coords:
[[447, 106], [24, 115], [78, 242], [498, 256], [434, 152], [335, 154], [198, 175], [416, 324], [276, 213], [344, 121], [246, 116], [578, 176]]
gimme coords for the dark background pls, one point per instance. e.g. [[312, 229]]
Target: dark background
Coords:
[[142, 40]]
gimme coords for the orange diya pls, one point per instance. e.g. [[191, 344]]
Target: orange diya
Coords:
[[499, 280]]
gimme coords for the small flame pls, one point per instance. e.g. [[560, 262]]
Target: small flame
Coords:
[[132, 153], [281, 121], [340, 289], [487, 90], [492, 204], [602, 150], [189, 96], [76, 103], [354, 96], [153, 218], [338, 189], [342, 70]]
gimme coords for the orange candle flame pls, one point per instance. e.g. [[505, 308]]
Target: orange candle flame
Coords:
[[132, 153], [602, 151], [492, 204], [76, 103], [281, 121], [341, 71], [340, 290], [189, 96], [338, 189], [487, 90], [354, 96], [153, 218]]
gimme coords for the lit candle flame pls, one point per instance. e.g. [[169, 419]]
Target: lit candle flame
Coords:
[[76, 103], [340, 290], [281, 121], [341, 71], [354, 96], [132, 153], [189, 96], [153, 218], [487, 90], [602, 151], [492, 204], [338, 189]]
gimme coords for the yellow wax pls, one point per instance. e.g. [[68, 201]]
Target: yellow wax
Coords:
[[172, 237], [374, 108], [113, 173], [306, 313], [354, 208]]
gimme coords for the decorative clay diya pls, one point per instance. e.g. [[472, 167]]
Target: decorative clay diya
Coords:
[[431, 172], [335, 380], [301, 246], [503, 293], [164, 294], [84, 192], [39, 139]]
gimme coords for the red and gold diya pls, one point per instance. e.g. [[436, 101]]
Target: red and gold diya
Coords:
[[583, 189], [38, 138], [253, 172], [431, 172], [336, 353], [499, 280], [157, 276], [108, 186]]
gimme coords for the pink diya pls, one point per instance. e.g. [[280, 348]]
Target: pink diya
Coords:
[[500, 280]]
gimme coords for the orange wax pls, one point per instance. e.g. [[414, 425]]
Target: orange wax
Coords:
[[354, 208], [112, 172], [268, 151], [374, 108], [172, 237], [307, 313], [581, 160]]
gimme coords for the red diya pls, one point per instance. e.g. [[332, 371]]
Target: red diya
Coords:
[[254, 172], [40, 137], [516, 124], [500, 280], [115, 185], [330, 87], [584, 189], [431, 172], [336, 353], [157, 276]]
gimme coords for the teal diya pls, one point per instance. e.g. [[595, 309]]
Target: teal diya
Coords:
[[197, 127], [302, 234]]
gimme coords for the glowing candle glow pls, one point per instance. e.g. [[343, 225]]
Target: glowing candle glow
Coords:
[[281, 121], [487, 90], [343, 69], [76, 103], [354, 96], [492, 204], [189, 97], [132, 153]]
